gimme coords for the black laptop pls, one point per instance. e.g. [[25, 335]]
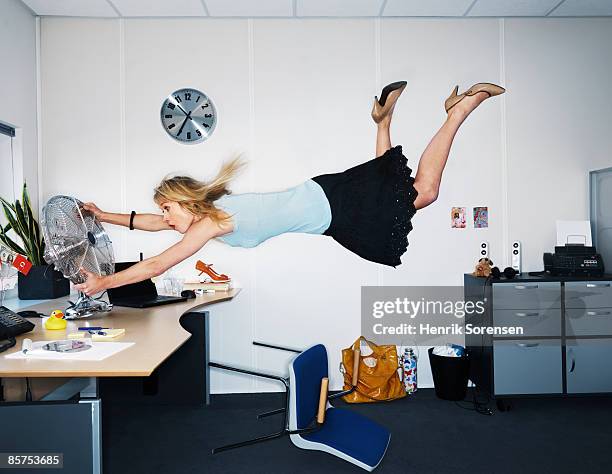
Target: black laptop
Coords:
[[138, 295]]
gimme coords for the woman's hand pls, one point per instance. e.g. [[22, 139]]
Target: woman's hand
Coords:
[[94, 283], [95, 210]]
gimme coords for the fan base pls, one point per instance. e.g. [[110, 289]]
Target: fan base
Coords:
[[86, 307]]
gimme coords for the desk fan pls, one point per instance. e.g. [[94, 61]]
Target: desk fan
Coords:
[[75, 238]]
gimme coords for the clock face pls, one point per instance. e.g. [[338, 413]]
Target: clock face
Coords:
[[188, 116]]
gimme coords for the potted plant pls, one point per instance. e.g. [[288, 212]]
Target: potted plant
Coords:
[[42, 281]]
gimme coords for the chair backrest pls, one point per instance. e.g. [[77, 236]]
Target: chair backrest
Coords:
[[305, 373]]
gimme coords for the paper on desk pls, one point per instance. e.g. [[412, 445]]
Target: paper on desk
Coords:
[[574, 232], [98, 351]]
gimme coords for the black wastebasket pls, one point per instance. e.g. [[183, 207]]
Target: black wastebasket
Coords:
[[450, 375]]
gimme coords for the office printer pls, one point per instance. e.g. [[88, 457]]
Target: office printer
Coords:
[[574, 259]]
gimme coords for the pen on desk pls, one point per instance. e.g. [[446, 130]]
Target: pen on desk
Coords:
[[92, 328]]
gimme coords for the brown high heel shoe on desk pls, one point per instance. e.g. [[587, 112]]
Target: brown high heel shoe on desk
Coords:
[[214, 276], [388, 97], [454, 99]]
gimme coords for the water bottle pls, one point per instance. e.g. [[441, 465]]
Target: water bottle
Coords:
[[409, 364]]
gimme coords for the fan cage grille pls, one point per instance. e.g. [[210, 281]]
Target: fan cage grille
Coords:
[[75, 239]]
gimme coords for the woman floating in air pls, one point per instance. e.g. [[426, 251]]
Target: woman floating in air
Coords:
[[367, 208]]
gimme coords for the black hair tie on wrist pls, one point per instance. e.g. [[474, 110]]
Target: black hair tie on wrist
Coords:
[[132, 220]]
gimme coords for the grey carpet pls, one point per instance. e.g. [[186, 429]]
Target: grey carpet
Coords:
[[429, 435]]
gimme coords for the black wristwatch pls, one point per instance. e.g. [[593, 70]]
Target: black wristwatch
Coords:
[[132, 220]]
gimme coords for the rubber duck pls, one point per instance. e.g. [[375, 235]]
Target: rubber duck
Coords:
[[56, 320]]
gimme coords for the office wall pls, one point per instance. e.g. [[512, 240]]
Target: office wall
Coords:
[[18, 83], [558, 125], [295, 97]]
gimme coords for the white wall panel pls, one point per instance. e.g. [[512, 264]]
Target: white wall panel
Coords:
[[559, 125], [18, 86], [81, 121]]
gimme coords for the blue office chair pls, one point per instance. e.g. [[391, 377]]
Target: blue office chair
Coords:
[[311, 421]]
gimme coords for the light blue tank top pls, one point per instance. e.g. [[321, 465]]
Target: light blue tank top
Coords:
[[259, 216]]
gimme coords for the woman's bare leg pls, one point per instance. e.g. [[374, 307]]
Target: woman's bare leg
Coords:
[[383, 136], [432, 162]]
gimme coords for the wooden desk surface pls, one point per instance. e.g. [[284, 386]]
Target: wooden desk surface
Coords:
[[156, 332]]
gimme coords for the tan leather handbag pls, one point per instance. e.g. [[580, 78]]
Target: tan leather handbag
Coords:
[[379, 379]]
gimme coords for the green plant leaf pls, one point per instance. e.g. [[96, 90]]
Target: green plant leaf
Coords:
[[33, 224], [21, 220], [6, 203], [26, 236], [10, 217], [33, 227], [14, 223], [11, 244], [24, 193], [37, 244], [27, 210]]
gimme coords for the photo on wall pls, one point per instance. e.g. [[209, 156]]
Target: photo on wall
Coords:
[[458, 218], [481, 217]]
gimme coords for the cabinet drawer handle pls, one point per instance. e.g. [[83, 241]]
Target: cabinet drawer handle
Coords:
[[527, 344], [598, 313], [523, 315], [525, 287], [596, 285], [573, 360]]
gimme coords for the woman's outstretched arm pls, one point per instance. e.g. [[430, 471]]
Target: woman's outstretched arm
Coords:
[[194, 239], [149, 222]]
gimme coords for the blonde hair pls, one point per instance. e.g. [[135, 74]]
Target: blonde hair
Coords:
[[198, 197]]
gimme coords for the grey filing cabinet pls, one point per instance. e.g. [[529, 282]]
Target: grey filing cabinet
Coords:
[[566, 345]]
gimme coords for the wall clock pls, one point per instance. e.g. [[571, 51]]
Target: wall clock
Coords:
[[188, 116]]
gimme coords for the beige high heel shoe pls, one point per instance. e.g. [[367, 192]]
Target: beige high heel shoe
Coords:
[[454, 99], [388, 97]]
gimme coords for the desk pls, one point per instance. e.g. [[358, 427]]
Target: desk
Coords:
[[167, 364]]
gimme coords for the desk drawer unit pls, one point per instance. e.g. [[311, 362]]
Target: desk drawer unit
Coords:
[[588, 294], [588, 365], [540, 295], [535, 322], [588, 322], [527, 366]]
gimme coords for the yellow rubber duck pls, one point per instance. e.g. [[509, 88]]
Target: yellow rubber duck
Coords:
[[56, 320]]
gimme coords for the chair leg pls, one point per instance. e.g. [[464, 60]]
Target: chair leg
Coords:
[[273, 346], [250, 441], [270, 413], [341, 394], [285, 427]]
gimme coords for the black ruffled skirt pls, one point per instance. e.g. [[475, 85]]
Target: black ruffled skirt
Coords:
[[372, 205]]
